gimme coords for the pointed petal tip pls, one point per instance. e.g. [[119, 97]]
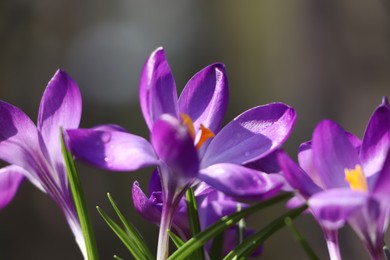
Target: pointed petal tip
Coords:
[[60, 75], [159, 52], [218, 66], [385, 101]]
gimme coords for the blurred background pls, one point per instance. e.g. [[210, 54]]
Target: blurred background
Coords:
[[327, 59]]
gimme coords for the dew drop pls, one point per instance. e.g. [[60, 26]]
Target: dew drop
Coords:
[[106, 137]]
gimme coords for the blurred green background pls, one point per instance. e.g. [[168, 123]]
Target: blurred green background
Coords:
[[327, 59]]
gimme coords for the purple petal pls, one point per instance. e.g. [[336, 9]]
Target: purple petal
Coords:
[[252, 135], [239, 181], [295, 202], [381, 190], [10, 179], [376, 140], [297, 178], [205, 97], [157, 88], [175, 148], [111, 150], [214, 206], [19, 139], [150, 209], [110, 128], [332, 154], [305, 159], [154, 183], [332, 208], [370, 223], [60, 107], [268, 164]]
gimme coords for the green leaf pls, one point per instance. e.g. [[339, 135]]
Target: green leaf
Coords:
[[131, 230], [175, 239], [224, 223], [252, 243], [193, 216], [118, 258], [79, 201], [122, 235], [217, 247], [300, 239], [386, 252]]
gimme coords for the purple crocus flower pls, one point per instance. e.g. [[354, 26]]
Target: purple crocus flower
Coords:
[[212, 206], [34, 152], [185, 139], [347, 180]]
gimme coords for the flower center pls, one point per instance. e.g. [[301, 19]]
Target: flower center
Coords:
[[356, 179], [205, 133]]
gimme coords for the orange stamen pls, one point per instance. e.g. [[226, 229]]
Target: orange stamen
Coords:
[[205, 135], [187, 122]]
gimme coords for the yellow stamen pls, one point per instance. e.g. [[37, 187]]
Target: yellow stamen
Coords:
[[187, 122], [205, 135], [356, 179]]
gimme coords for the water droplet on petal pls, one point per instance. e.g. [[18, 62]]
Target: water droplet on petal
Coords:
[[108, 160], [106, 137]]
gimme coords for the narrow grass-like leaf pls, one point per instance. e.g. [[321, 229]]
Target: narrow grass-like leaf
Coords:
[[193, 216], [217, 228], [217, 247], [122, 235], [131, 230], [175, 239], [79, 201], [253, 242], [118, 258], [300, 239], [386, 252]]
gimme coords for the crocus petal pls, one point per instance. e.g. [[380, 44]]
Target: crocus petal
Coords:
[[376, 140], [295, 202], [154, 183], [332, 208], [381, 189], [150, 209], [305, 159], [157, 88], [370, 225], [19, 139], [297, 178], [214, 206], [239, 181], [110, 128], [10, 179], [268, 164], [332, 154], [252, 135], [111, 150], [205, 97], [60, 107], [175, 148]]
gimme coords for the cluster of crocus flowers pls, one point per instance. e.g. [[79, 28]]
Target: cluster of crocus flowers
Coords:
[[34, 152], [187, 144], [345, 179], [341, 178]]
